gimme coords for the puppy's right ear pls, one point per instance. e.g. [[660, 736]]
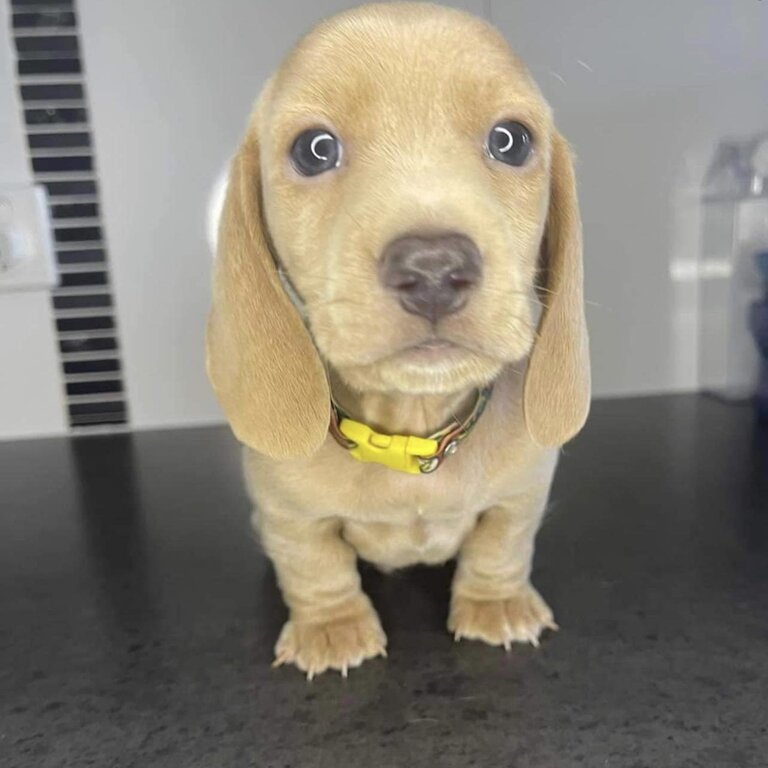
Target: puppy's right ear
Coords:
[[265, 370]]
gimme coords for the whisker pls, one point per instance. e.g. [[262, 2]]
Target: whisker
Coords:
[[527, 326], [347, 274], [503, 293], [331, 302]]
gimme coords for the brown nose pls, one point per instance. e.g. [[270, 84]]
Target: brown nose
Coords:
[[432, 276]]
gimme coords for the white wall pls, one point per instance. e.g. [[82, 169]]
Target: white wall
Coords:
[[31, 388], [643, 91]]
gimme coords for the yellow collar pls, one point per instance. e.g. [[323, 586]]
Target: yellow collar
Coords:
[[404, 453]]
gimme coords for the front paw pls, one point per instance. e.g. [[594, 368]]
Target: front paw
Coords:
[[520, 618], [334, 644]]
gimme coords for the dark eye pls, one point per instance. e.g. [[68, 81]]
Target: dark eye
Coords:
[[315, 151], [510, 142]]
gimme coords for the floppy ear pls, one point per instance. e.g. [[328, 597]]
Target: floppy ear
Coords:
[[260, 358], [557, 383]]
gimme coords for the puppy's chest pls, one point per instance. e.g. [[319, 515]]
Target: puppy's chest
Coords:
[[380, 495], [395, 520], [414, 519]]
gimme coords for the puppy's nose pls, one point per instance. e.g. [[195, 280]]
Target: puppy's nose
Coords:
[[432, 276]]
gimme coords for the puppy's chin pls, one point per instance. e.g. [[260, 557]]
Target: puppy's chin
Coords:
[[423, 371]]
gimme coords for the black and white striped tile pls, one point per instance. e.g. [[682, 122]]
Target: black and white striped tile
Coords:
[[53, 94]]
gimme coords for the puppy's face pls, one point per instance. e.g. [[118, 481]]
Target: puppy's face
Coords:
[[405, 169]]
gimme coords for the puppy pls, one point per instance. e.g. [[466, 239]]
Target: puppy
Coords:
[[400, 234]]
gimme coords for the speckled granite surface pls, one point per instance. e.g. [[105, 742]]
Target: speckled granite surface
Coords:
[[137, 616]]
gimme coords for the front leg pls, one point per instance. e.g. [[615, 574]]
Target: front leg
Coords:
[[492, 598], [332, 623]]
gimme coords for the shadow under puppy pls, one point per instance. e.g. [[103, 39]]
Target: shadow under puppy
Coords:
[[399, 249]]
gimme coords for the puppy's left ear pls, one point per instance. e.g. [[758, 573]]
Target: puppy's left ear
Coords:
[[557, 383], [261, 360]]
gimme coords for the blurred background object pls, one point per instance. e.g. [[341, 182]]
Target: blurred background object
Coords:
[[127, 112], [759, 324], [735, 232]]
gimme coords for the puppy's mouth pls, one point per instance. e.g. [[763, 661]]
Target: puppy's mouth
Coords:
[[431, 351], [433, 365]]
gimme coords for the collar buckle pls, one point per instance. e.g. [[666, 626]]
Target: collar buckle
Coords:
[[400, 452]]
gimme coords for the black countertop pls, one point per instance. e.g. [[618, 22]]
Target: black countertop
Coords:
[[137, 615]]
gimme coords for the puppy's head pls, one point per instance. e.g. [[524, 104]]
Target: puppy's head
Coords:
[[403, 170]]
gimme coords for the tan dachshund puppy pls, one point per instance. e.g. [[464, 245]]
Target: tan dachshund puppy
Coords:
[[400, 232]]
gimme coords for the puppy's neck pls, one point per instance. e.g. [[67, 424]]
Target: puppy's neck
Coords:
[[395, 413]]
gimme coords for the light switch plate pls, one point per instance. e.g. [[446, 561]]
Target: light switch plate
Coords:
[[28, 262]]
